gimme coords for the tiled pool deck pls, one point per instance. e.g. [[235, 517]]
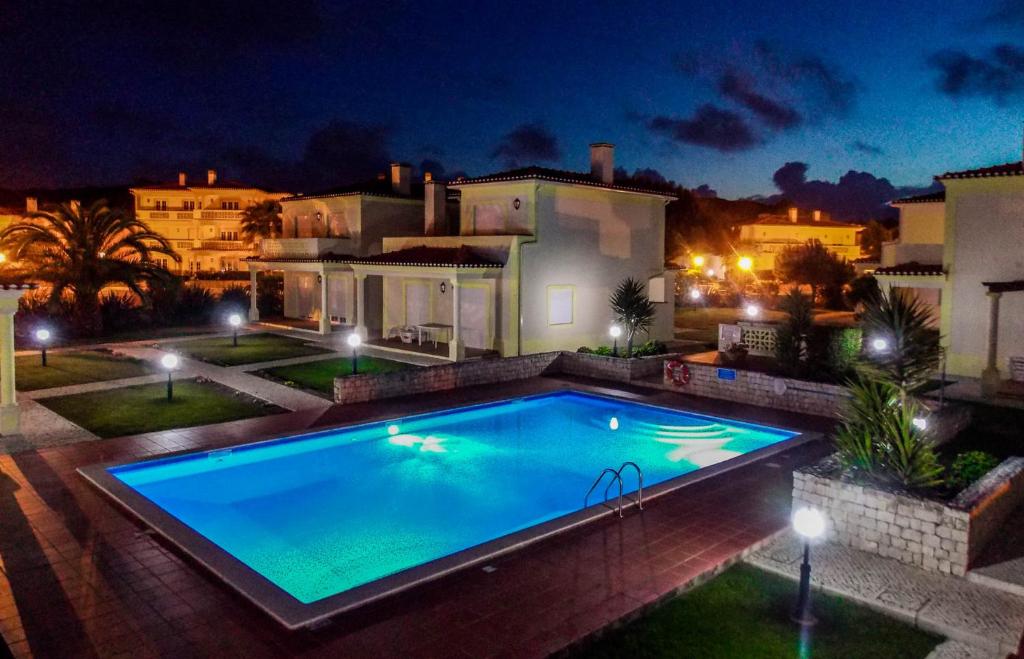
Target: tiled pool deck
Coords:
[[79, 578]]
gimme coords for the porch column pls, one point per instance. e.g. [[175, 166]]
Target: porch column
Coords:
[[254, 310], [456, 351], [360, 280], [9, 413], [325, 312], [990, 377]]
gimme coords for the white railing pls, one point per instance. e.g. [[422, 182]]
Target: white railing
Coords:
[[308, 248], [221, 215]]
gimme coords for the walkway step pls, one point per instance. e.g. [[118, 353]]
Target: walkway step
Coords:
[[1001, 564]]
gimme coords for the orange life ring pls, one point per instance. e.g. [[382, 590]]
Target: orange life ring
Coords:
[[678, 372]]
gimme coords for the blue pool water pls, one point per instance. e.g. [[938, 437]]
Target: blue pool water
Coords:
[[323, 513]]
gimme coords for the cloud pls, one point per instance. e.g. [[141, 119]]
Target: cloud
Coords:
[[997, 75], [859, 146], [527, 144], [856, 196], [774, 114], [710, 126]]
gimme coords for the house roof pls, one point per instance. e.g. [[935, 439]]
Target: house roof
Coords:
[[557, 176], [1009, 169], [219, 185], [783, 220], [374, 188], [912, 268], [1004, 286], [930, 198], [458, 257]]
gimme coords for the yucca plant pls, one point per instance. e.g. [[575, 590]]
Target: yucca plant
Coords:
[[633, 310], [912, 351]]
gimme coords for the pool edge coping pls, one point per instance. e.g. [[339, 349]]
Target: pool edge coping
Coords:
[[293, 614]]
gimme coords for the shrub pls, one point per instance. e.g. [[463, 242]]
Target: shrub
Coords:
[[603, 350], [120, 312], [584, 350], [233, 299], [649, 348], [792, 335], [968, 467], [195, 305]]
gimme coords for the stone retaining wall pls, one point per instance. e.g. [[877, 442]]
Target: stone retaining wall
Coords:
[[616, 369], [931, 535], [762, 389]]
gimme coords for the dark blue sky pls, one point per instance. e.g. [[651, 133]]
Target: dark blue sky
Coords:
[[310, 93]]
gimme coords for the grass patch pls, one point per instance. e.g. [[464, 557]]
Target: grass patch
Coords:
[[251, 349], [145, 408], [319, 375], [744, 612], [67, 368]]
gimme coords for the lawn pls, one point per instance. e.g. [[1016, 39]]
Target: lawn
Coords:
[[319, 375], [744, 612], [251, 349], [68, 368], [145, 408]]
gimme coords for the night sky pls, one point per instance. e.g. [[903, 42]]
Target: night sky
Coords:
[[304, 94]]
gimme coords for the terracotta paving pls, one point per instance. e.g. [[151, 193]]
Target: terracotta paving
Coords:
[[78, 578]]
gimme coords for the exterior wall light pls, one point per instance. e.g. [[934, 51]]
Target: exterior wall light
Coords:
[[809, 524], [43, 339], [694, 293]]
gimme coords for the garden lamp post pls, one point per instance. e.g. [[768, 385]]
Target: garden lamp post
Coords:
[[235, 320], [809, 524], [169, 362], [43, 338], [354, 341], [695, 294], [616, 332], [753, 310], [879, 345]]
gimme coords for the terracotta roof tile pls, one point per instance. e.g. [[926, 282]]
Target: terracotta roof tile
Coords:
[[912, 268], [930, 198], [461, 257], [555, 175], [1008, 169]]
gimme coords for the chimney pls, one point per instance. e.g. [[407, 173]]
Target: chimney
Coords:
[[401, 178], [794, 214], [817, 215], [31, 205], [211, 176], [602, 162], [435, 210], [181, 179]]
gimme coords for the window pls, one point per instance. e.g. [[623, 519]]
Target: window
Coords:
[[188, 205], [560, 300], [161, 205], [229, 205]]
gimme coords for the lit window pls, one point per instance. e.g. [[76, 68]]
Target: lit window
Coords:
[[560, 302]]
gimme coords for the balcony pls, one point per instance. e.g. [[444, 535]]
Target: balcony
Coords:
[[224, 245], [220, 215], [304, 248], [896, 253]]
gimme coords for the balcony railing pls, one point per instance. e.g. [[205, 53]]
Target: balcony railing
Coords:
[[304, 248], [221, 215], [223, 244]]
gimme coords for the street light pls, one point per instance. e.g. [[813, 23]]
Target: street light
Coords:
[[43, 338], [698, 261], [616, 332], [753, 310], [235, 320], [711, 272], [745, 263], [354, 341], [809, 524], [170, 362]]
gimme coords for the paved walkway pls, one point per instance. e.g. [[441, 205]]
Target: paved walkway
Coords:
[[988, 620], [78, 578]]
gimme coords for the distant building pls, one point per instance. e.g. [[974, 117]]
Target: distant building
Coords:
[[201, 220], [765, 238], [516, 262]]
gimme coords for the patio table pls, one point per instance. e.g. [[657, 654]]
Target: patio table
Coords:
[[432, 330]]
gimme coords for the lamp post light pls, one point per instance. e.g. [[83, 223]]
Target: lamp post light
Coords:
[[616, 332], [235, 320], [169, 362], [753, 310], [695, 294], [809, 524], [745, 263], [879, 345], [354, 341], [43, 338], [698, 261]]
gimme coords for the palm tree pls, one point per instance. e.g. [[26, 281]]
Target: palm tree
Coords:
[[81, 251], [262, 220], [632, 309]]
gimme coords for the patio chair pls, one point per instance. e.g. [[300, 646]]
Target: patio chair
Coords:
[[407, 334]]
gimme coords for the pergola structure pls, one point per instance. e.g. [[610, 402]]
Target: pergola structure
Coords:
[[990, 377], [10, 416]]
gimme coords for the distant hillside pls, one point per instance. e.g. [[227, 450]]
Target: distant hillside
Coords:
[[705, 224]]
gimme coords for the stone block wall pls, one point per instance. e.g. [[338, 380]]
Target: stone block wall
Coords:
[[615, 369], [934, 536], [762, 389]]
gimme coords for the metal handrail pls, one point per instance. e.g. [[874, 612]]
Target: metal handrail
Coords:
[[617, 477]]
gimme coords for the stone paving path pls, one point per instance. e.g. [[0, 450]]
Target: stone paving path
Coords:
[[985, 621]]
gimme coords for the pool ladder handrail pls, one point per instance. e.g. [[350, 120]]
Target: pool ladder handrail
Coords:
[[617, 478]]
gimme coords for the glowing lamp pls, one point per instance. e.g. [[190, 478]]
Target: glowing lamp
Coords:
[[698, 261], [920, 423], [879, 345], [745, 263], [43, 338], [694, 293], [393, 429], [753, 311], [613, 423], [235, 320], [615, 332], [170, 362], [354, 341], [809, 524], [3, 257], [711, 272]]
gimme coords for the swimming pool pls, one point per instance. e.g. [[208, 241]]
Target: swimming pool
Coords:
[[307, 526]]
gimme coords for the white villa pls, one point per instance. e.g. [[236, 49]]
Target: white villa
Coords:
[[964, 246], [512, 263], [201, 220]]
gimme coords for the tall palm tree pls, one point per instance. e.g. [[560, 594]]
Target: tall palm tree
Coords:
[[82, 250], [262, 220], [632, 309]]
